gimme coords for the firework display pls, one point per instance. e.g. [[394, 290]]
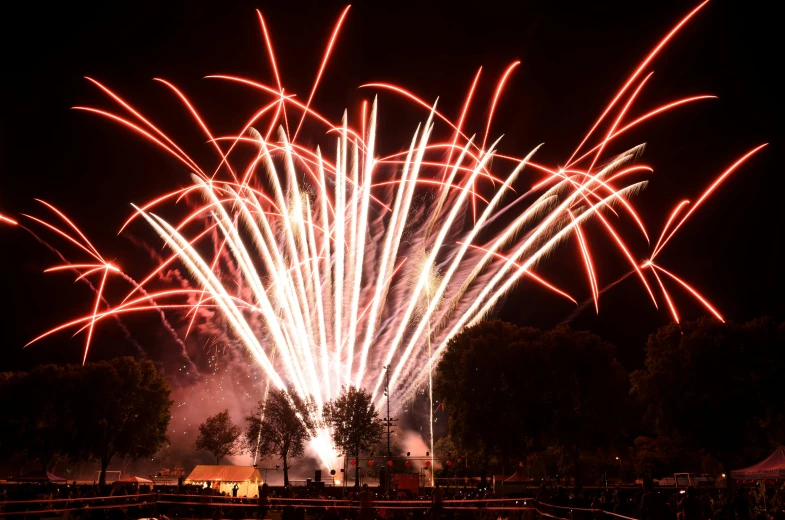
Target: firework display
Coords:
[[330, 264]]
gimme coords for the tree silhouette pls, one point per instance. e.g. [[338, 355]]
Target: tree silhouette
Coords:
[[510, 390], [280, 427], [121, 407], [35, 407], [96, 411], [715, 387], [587, 393], [219, 435], [353, 420], [479, 383]]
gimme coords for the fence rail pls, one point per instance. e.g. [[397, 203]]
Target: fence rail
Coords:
[[38, 506], [69, 509], [15, 508]]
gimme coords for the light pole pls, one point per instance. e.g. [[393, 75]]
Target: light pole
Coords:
[[430, 378], [620, 468], [388, 422]]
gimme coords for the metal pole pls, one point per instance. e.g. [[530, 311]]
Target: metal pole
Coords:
[[389, 417], [389, 421], [430, 387], [387, 470]]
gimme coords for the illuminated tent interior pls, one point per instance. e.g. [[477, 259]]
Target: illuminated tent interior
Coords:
[[223, 478]]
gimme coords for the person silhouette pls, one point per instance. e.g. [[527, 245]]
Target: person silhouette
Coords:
[[264, 501], [437, 501], [366, 504]]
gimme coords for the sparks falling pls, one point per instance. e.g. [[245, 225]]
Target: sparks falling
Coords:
[[329, 264]]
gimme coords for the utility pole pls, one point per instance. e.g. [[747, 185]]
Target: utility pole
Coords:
[[388, 422], [387, 419]]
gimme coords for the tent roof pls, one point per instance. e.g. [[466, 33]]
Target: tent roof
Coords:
[[771, 467], [38, 476], [203, 472], [517, 477], [135, 480]]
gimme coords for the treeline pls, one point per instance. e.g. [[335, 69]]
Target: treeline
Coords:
[[92, 412], [120, 407], [708, 399]]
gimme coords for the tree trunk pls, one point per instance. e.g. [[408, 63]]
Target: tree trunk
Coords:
[[576, 463], [104, 464], [357, 468], [285, 471]]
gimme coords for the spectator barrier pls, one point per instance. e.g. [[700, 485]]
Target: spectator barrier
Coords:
[[530, 506]]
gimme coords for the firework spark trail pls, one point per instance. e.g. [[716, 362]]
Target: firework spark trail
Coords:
[[503, 280], [456, 261], [8, 220], [660, 45], [706, 195], [588, 263], [81, 278], [316, 249]]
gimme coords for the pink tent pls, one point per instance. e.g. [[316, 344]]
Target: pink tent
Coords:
[[135, 480], [771, 468]]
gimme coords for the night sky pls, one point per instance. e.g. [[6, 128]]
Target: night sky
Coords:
[[574, 56]]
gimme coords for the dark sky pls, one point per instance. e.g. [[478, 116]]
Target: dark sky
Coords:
[[574, 56]]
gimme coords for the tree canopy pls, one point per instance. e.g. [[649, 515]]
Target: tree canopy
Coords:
[[354, 422], [122, 407], [219, 436], [556, 387], [586, 392], [35, 407], [281, 427], [94, 412], [478, 382], [715, 387]]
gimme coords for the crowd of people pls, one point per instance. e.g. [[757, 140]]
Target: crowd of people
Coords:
[[82, 501], [34, 491], [649, 503], [748, 503], [645, 503]]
